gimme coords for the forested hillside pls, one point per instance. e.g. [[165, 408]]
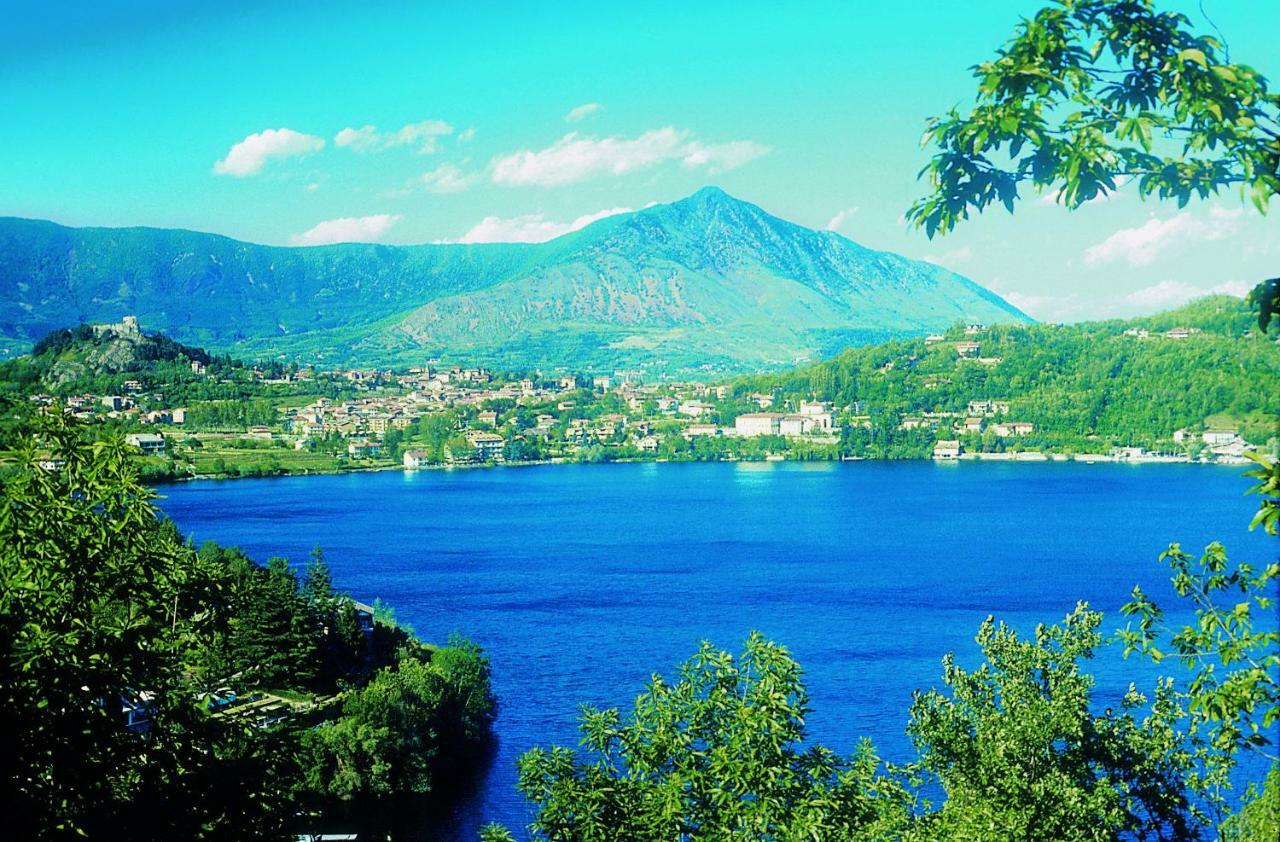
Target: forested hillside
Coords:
[[1122, 381]]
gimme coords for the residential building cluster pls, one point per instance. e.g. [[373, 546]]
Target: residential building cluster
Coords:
[[492, 418]]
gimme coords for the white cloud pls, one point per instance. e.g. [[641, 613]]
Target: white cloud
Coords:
[[1224, 216], [1168, 294], [425, 135], [348, 229], [360, 139], [1142, 245], [250, 155], [582, 112], [574, 158], [841, 218], [722, 156], [466, 134], [313, 187], [1165, 295], [529, 228], [950, 258], [446, 178], [1044, 307]]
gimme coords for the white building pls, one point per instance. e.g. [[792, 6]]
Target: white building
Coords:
[[946, 450], [694, 408], [794, 425], [819, 414], [758, 424], [415, 459], [988, 407], [151, 444], [488, 446]]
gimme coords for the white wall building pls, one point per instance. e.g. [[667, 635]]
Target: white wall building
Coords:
[[1214, 438], [758, 424], [946, 449], [415, 459], [152, 444]]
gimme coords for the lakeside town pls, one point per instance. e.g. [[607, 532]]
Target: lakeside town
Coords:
[[714, 422], [315, 421]]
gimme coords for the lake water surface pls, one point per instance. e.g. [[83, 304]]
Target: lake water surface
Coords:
[[582, 581]]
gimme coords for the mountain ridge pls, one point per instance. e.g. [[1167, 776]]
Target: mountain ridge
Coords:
[[708, 282]]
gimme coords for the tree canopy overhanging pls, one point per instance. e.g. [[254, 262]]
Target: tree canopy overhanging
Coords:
[[1088, 95]]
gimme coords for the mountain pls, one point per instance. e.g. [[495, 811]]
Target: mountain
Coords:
[[707, 283]]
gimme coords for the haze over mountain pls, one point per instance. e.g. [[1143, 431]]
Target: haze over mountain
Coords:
[[709, 282]]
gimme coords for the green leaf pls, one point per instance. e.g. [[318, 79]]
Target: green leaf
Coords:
[[1194, 55]]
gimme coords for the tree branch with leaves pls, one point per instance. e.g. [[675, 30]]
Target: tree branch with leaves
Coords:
[[1091, 94]]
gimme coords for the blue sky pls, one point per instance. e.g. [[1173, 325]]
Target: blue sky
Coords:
[[414, 122]]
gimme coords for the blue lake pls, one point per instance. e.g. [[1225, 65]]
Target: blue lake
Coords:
[[582, 581]]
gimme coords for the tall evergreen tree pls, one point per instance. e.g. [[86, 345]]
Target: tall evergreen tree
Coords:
[[317, 584]]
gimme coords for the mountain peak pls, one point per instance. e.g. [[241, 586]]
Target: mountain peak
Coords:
[[710, 205], [712, 197], [711, 193]]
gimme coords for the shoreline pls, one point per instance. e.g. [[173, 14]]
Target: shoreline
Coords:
[[1029, 457]]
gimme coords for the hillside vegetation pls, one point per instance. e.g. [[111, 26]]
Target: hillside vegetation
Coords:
[[1088, 388], [1079, 384]]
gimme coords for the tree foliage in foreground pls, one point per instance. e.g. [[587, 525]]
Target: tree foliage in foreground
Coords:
[[1016, 746], [1232, 650], [1090, 93], [104, 610], [716, 754], [408, 728], [1087, 91], [99, 604]]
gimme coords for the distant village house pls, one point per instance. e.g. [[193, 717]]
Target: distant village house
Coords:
[[151, 444], [947, 449]]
